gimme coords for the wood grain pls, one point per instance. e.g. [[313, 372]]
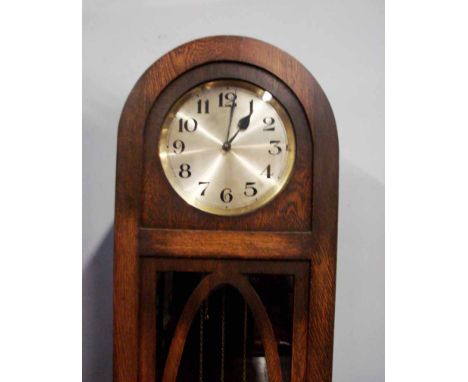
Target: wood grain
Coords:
[[300, 315], [308, 206], [163, 208], [230, 244], [147, 338], [210, 265]]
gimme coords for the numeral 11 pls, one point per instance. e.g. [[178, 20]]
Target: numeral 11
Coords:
[[200, 106]]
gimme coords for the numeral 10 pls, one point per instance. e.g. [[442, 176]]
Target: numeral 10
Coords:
[[189, 125]]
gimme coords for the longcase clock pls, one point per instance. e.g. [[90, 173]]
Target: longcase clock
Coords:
[[225, 219]]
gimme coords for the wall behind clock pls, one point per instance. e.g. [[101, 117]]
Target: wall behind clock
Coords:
[[342, 43]]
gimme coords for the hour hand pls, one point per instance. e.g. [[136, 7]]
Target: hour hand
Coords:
[[243, 124], [245, 121]]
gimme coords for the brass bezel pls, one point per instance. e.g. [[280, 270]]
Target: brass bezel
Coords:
[[255, 205]]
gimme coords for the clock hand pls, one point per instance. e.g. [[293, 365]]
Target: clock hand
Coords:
[[242, 125], [231, 113]]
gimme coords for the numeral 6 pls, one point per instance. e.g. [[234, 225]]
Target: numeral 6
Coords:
[[226, 195]]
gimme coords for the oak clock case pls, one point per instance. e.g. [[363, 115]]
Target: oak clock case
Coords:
[[226, 210], [285, 196]]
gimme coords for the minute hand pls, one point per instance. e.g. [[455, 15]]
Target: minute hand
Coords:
[[231, 113], [243, 123]]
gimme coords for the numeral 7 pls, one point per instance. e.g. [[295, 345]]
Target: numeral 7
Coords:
[[203, 184]]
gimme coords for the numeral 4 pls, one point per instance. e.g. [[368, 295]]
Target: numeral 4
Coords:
[[267, 171]]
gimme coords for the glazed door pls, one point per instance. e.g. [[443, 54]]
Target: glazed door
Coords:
[[228, 321]]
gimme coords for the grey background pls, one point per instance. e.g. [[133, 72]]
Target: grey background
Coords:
[[342, 43]]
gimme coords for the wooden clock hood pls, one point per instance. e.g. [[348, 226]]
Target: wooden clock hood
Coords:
[[170, 258]]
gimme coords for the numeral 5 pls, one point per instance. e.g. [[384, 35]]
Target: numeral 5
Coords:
[[250, 190]]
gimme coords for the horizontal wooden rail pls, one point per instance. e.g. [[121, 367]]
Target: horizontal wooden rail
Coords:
[[244, 245]]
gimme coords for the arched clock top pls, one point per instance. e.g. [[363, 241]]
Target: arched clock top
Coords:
[[322, 180], [283, 188]]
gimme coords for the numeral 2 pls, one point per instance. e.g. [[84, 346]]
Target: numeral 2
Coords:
[[269, 122]]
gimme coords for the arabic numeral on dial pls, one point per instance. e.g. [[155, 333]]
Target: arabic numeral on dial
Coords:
[[189, 125], [250, 190], [269, 122], [204, 189], [227, 99], [184, 171], [267, 171], [226, 195], [275, 149], [179, 146], [200, 108]]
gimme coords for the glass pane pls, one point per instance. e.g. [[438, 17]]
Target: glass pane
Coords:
[[223, 342]]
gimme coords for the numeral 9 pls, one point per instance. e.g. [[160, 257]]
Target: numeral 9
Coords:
[[179, 146]]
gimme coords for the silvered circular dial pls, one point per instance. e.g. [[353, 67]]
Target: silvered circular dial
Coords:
[[227, 147]]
